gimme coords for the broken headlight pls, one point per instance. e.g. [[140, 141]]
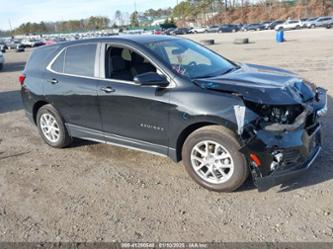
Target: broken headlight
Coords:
[[283, 114]]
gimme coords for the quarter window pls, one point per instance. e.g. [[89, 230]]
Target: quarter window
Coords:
[[80, 60], [58, 64]]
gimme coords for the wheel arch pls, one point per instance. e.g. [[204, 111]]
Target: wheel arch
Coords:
[[36, 107], [193, 127]]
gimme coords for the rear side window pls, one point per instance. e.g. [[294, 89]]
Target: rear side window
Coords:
[[80, 60]]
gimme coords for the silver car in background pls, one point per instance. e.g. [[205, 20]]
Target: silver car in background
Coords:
[[323, 21], [310, 23]]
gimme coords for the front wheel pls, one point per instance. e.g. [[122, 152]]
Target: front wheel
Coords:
[[211, 157], [52, 128]]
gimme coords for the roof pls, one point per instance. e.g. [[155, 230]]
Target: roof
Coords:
[[139, 39]]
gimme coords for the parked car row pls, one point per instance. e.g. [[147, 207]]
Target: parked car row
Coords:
[[12, 44], [20, 43], [323, 21]]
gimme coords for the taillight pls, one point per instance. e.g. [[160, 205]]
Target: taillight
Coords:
[[22, 79]]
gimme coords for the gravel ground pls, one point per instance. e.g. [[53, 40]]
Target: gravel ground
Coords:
[[96, 192]]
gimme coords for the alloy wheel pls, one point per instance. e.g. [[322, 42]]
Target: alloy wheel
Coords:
[[212, 162], [50, 127]]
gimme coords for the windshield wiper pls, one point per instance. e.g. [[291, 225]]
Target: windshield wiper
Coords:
[[218, 74], [231, 70]]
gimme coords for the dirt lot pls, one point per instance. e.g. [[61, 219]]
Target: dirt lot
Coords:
[[100, 192]]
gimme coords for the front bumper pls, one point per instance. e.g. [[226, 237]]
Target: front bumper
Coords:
[[299, 148], [284, 175]]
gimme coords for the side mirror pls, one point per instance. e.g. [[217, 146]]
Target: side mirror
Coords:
[[151, 79]]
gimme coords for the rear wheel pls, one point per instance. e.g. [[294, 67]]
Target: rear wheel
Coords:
[[211, 157], [51, 127], [1, 67]]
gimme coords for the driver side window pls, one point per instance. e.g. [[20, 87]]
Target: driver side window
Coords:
[[122, 63]]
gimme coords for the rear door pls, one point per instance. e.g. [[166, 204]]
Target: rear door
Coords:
[[70, 85]]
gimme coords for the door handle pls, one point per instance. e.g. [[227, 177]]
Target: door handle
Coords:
[[53, 81], [108, 89]]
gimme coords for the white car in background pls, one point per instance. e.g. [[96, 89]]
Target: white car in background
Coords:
[[289, 24], [2, 60], [196, 30]]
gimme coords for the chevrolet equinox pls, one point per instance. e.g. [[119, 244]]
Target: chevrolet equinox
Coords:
[[174, 97]]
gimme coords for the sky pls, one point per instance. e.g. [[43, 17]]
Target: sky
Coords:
[[17, 12]]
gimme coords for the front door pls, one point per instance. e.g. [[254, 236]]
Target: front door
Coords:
[[132, 115]]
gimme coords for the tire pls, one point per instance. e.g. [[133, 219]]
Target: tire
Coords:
[[312, 26], [63, 138], [241, 41], [1, 67], [208, 42], [226, 141]]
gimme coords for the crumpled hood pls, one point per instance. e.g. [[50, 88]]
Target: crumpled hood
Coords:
[[262, 84]]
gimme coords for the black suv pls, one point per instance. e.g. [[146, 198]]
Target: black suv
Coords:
[[174, 97]]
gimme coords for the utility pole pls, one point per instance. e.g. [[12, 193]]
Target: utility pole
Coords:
[[10, 26]]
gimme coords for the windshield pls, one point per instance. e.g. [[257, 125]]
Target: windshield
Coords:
[[189, 59]]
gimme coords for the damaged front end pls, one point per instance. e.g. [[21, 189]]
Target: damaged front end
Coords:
[[284, 140], [282, 137]]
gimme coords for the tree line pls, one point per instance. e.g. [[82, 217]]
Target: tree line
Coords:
[[91, 23], [195, 11], [246, 11]]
